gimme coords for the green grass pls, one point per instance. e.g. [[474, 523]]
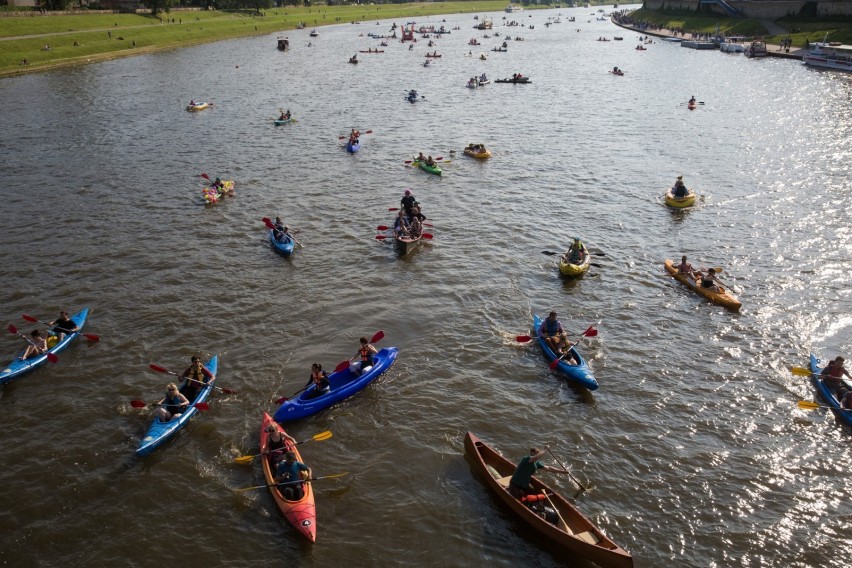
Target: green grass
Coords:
[[91, 31]]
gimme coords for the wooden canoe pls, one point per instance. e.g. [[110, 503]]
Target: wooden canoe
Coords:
[[302, 514], [723, 297], [573, 532]]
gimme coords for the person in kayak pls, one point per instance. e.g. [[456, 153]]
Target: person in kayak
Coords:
[[416, 214], [407, 202], [684, 267], [63, 325], [36, 345], [196, 377], [679, 189], [288, 475], [692, 100], [576, 253], [401, 226], [430, 162], [277, 443], [320, 379], [708, 281], [284, 235], [420, 157], [365, 353], [832, 377], [552, 332], [563, 351], [285, 115], [172, 405], [519, 485]]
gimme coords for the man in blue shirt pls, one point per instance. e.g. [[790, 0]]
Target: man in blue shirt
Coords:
[[288, 473]]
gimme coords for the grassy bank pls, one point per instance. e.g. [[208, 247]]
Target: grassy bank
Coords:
[[76, 39], [799, 29]]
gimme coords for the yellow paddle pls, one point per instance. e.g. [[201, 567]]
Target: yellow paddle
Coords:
[[318, 437], [808, 405], [801, 371]]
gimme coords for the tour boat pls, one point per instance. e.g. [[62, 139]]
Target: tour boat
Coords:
[[832, 55]]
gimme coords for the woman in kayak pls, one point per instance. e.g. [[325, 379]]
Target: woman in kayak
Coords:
[[277, 443], [401, 225], [430, 162], [365, 352], [172, 405], [708, 281], [288, 476], [37, 345], [196, 377], [320, 379]]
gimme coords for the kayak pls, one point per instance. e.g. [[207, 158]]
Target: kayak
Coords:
[[565, 526], [280, 121], [436, 169], [343, 385], [691, 106], [352, 148], [285, 248], [412, 98], [20, 366], [302, 514], [579, 374], [680, 202], [827, 395], [159, 432], [723, 297], [196, 108], [479, 155], [517, 81], [575, 270]]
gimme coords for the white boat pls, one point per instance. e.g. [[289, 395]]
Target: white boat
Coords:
[[732, 45], [832, 55], [757, 48], [511, 9]]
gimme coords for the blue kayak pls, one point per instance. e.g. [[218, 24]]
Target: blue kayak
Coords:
[[352, 148], [580, 375], [285, 248], [20, 366], [827, 395], [343, 385], [159, 432]]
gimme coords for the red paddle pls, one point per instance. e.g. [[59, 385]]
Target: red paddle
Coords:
[[382, 228], [88, 336], [591, 332], [365, 132], [381, 237], [160, 369], [50, 356], [143, 404]]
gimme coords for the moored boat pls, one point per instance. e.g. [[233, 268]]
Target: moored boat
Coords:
[[575, 270], [829, 55], [343, 385], [826, 394], [18, 366], [680, 202], [722, 297], [285, 248], [302, 514], [756, 48], [579, 374], [571, 530], [160, 432]]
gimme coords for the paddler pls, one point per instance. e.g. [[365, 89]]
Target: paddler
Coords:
[[708, 281], [576, 253], [196, 377], [320, 379], [365, 353], [277, 442], [63, 325], [172, 405], [692, 100], [552, 332], [679, 189], [519, 485], [407, 202], [288, 475], [832, 376]]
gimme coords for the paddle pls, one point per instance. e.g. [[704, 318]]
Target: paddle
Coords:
[[807, 405], [143, 404], [802, 372], [552, 253], [346, 136], [571, 475], [558, 514], [342, 366], [590, 332], [160, 369], [436, 159], [292, 482], [318, 437], [50, 356], [88, 336], [270, 225]]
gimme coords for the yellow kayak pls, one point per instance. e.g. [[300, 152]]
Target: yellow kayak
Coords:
[[482, 155], [722, 297], [575, 270], [196, 108], [680, 202]]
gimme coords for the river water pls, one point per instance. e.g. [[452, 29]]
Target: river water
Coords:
[[694, 445]]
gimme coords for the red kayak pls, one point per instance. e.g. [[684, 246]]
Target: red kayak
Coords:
[[302, 514]]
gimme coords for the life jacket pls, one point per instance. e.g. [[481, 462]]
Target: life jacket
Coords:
[[172, 404], [552, 327], [533, 498], [366, 355]]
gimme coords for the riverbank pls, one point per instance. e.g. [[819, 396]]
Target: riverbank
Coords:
[[31, 44]]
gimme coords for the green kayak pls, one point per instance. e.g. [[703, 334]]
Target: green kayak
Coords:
[[427, 168]]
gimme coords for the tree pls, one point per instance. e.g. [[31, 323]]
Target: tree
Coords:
[[158, 6]]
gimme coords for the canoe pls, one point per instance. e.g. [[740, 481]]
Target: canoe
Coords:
[[198, 107], [620, 73], [343, 385], [285, 248], [405, 245], [828, 396], [573, 532], [691, 106], [352, 148], [575, 270], [436, 169], [518, 81], [483, 155], [160, 432], [680, 202], [20, 366], [302, 514], [280, 121], [723, 298], [580, 375]]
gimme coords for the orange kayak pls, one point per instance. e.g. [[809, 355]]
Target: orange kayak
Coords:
[[722, 297], [302, 514]]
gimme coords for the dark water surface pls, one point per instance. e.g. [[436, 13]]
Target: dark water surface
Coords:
[[695, 446]]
